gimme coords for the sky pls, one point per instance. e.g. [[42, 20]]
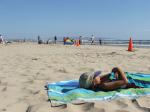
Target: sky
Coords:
[[117, 19]]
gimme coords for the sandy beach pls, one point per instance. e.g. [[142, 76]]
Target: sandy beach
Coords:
[[25, 68]]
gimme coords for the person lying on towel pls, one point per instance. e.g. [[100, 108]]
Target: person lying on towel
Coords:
[[115, 80]]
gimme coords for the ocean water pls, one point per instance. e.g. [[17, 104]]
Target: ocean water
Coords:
[[97, 41]]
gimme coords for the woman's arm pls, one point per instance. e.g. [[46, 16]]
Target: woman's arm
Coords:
[[119, 73], [112, 85], [121, 80]]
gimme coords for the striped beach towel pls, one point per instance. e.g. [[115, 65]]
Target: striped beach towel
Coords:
[[64, 92]]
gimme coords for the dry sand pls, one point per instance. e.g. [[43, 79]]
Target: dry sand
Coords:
[[26, 67]]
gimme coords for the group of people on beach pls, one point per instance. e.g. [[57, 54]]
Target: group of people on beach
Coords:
[[71, 40]]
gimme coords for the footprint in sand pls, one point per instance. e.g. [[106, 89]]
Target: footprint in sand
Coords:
[[83, 107], [62, 70], [31, 91], [4, 89], [87, 106], [4, 109], [34, 108], [121, 111], [35, 59], [29, 108], [30, 81], [136, 104], [3, 84], [121, 104]]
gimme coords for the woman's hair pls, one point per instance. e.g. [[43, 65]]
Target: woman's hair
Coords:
[[86, 79]]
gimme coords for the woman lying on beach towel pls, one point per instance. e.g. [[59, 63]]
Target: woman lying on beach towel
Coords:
[[115, 80]]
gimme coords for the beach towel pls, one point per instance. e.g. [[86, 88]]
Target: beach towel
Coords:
[[64, 92]]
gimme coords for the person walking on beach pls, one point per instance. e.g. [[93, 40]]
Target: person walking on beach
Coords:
[[100, 41], [92, 39], [64, 40], [80, 40], [2, 40], [39, 40], [55, 39]]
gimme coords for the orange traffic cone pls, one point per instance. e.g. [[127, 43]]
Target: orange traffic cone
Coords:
[[130, 47]]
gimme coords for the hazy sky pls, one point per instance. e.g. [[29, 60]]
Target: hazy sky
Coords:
[[104, 18]]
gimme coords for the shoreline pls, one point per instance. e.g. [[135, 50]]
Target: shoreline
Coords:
[[87, 43]]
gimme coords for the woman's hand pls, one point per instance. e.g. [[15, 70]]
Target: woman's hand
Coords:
[[120, 74], [115, 69], [116, 75]]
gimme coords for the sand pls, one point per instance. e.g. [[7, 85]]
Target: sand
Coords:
[[25, 68]]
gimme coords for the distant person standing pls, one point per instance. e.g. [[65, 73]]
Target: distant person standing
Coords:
[[92, 39], [80, 40], [64, 40], [39, 40], [55, 39], [24, 40], [100, 41], [0, 38]]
